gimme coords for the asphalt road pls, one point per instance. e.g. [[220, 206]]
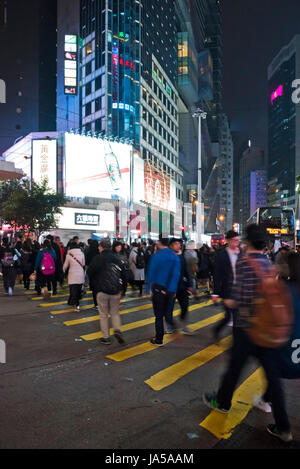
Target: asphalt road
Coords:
[[61, 388]]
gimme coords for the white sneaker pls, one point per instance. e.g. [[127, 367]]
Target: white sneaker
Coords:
[[261, 404], [230, 324], [76, 308]]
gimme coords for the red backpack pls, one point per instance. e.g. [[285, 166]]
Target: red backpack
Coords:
[[273, 311]]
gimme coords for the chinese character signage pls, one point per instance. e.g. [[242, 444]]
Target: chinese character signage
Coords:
[[87, 219], [70, 65], [44, 162]]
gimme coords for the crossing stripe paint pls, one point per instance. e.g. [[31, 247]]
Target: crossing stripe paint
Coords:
[[60, 295], [142, 323], [83, 308], [173, 373], [223, 425], [147, 346], [124, 300], [96, 318]]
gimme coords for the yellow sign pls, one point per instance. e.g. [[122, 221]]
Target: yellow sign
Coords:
[[276, 231]]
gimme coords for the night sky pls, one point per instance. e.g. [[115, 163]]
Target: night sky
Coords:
[[254, 31]]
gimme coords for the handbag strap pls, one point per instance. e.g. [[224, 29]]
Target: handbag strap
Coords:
[[75, 259]]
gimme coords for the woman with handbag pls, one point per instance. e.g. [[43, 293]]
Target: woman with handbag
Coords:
[[75, 263]]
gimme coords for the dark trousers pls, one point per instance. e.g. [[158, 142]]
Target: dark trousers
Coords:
[[161, 300], [183, 300], [26, 280], [229, 313], [9, 277], [46, 281], [139, 284], [75, 294], [242, 349], [94, 293]]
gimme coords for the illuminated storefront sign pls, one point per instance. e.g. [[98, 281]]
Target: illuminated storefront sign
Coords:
[[277, 231], [277, 93], [87, 219], [70, 65], [44, 162]]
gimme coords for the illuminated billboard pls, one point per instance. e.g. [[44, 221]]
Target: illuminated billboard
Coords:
[[96, 168], [70, 65], [44, 162], [157, 187]]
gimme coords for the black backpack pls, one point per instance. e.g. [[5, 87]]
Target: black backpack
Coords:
[[140, 260]]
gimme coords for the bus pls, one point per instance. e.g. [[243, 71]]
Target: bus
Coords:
[[279, 223], [217, 240]]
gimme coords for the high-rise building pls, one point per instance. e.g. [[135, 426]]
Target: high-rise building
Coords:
[[226, 194], [284, 125], [28, 68], [252, 162], [213, 41]]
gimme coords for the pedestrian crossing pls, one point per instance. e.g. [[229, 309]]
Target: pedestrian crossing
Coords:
[[219, 425]]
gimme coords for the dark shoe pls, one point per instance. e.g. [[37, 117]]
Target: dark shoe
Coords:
[[284, 436], [154, 342], [210, 399], [105, 341], [119, 337]]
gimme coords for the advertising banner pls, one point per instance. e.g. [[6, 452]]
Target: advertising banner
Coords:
[[157, 187], [44, 162], [96, 168]]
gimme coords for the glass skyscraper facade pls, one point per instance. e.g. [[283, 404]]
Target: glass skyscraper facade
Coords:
[[283, 150]]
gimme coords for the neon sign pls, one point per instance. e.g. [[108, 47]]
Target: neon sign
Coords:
[[277, 93]]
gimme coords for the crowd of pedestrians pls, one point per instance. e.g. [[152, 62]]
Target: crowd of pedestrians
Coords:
[[169, 270]]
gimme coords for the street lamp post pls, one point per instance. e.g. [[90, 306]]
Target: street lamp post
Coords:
[[200, 114]]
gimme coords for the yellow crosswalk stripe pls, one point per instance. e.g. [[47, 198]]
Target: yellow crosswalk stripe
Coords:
[[124, 300], [173, 373], [142, 323], [96, 318], [223, 425], [59, 295], [147, 346], [89, 306]]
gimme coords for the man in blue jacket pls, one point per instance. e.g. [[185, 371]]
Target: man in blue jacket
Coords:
[[163, 276]]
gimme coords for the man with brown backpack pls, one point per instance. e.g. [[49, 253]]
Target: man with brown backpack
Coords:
[[263, 323]]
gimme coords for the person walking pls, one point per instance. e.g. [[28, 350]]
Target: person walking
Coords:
[[109, 278], [204, 268], [74, 264], [27, 262], [91, 252], [8, 258], [242, 298], [191, 258], [184, 289], [163, 279], [44, 269], [224, 278], [137, 266]]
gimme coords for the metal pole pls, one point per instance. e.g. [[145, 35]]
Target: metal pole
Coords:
[[199, 205]]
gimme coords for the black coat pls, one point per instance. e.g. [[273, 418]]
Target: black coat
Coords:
[[99, 273], [223, 276]]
